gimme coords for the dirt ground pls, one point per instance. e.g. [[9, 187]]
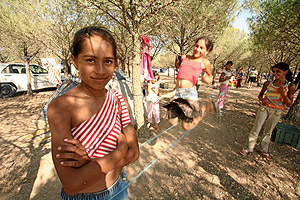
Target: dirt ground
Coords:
[[203, 163]]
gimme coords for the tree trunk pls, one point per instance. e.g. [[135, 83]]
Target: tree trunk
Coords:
[[29, 88], [176, 66], [259, 75], [129, 69], [292, 113], [123, 65], [137, 83], [247, 77], [295, 71], [66, 69], [214, 71], [269, 75]]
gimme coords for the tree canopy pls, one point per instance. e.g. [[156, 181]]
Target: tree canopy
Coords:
[[33, 29]]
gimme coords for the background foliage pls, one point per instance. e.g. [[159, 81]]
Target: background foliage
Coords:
[[33, 29]]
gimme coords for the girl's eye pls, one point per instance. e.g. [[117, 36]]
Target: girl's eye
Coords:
[[90, 60], [109, 61]]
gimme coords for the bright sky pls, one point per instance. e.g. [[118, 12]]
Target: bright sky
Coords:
[[241, 21]]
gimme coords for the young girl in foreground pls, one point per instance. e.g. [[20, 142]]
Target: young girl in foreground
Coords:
[[185, 105], [91, 133], [273, 96]]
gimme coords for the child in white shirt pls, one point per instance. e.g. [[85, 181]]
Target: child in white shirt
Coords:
[[152, 92]]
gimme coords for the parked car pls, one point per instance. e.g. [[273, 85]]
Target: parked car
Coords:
[[13, 78], [162, 70], [155, 69]]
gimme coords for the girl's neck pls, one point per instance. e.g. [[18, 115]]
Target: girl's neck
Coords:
[[91, 93], [195, 59], [280, 81]]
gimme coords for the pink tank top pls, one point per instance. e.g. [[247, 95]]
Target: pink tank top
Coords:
[[99, 134], [190, 70]]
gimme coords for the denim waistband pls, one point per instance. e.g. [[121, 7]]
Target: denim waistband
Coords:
[[186, 89], [102, 192]]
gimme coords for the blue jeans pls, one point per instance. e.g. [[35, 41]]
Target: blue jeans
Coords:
[[187, 93], [112, 191]]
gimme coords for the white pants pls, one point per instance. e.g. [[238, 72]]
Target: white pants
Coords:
[[268, 117]]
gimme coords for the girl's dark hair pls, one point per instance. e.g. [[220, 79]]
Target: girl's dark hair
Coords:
[[156, 74], [229, 62], [283, 66], [208, 43], [85, 33]]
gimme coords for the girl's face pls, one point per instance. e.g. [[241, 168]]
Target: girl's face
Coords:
[[95, 62], [154, 80], [228, 66], [200, 49], [278, 73]]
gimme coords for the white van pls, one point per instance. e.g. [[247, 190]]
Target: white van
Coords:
[[13, 78]]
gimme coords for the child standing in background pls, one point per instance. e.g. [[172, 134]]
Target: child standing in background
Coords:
[[252, 76], [224, 86], [152, 100], [240, 78], [273, 96]]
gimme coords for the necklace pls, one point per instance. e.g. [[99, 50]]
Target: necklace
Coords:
[[86, 95]]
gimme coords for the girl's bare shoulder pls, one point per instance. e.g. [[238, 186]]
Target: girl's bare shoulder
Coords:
[[63, 103], [205, 64], [205, 61], [292, 86], [266, 83]]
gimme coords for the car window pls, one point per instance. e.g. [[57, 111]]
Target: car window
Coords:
[[35, 69], [5, 70], [14, 68]]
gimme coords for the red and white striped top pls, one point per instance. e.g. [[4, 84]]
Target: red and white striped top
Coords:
[[99, 134]]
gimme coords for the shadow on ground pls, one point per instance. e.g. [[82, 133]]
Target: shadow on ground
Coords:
[[204, 164]]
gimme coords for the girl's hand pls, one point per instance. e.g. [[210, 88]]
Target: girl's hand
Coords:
[[206, 79], [282, 91], [265, 102], [73, 154], [122, 148]]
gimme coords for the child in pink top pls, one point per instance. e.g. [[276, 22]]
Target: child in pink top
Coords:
[[185, 104]]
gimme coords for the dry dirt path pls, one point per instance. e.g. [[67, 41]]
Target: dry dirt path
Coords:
[[204, 164]]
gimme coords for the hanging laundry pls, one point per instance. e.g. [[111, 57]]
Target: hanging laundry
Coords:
[[53, 70], [146, 67]]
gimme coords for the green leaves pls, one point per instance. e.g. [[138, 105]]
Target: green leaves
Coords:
[[276, 28]]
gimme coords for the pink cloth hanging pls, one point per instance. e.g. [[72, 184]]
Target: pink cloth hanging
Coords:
[[146, 67]]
